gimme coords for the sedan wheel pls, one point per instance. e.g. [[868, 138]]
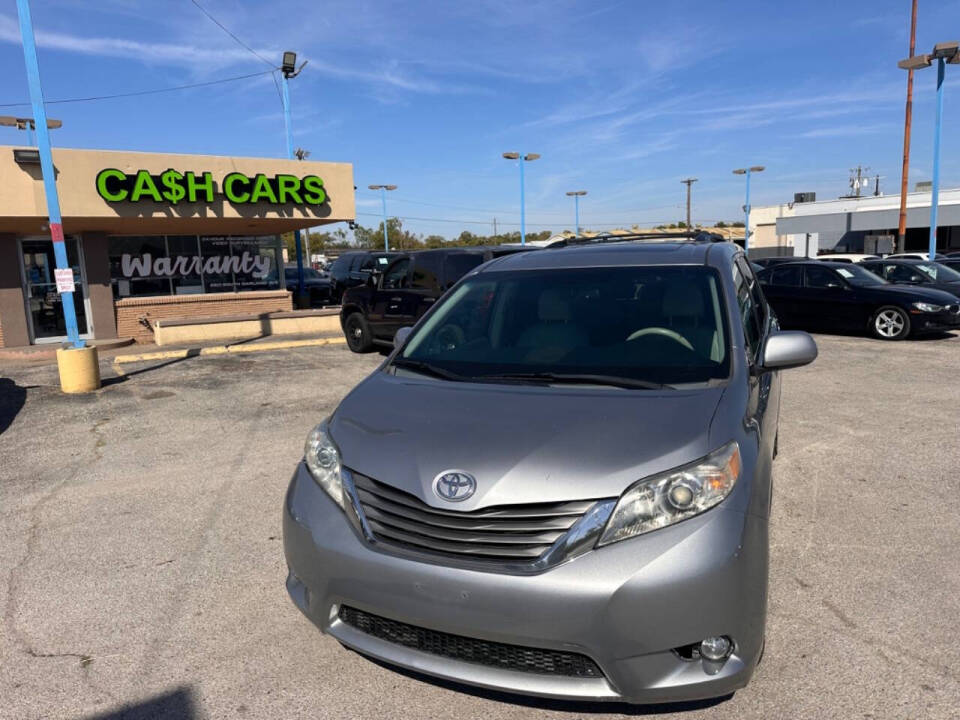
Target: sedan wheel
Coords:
[[890, 323]]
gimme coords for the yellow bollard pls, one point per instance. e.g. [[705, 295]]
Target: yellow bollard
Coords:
[[79, 369]]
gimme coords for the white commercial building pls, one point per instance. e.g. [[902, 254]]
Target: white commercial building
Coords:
[[853, 225]]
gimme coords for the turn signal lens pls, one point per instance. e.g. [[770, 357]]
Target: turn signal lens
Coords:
[[675, 495]]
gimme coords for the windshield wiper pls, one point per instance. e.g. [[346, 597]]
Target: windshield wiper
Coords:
[[427, 369], [578, 379]]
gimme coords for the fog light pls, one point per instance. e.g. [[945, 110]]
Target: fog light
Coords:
[[715, 648]]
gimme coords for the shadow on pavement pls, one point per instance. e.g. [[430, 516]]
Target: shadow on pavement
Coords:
[[106, 382], [175, 705], [571, 706], [12, 398]]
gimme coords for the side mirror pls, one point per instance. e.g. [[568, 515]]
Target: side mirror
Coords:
[[401, 336], [788, 349]]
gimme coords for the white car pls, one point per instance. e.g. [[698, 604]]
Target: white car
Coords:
[[917, 256], [847, 257]]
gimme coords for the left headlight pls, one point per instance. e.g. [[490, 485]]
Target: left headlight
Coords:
[[928, 307], [675, 495], [323, 462]]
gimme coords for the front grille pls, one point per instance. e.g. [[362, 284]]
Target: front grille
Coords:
[[955, 309], [504, 533], [479, 652]]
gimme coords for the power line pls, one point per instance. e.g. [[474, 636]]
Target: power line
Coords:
[[144, 92], [239, 42], [635, 221]]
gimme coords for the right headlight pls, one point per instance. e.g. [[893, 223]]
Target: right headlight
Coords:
[[323, 462], [928, 307], [675, 495]]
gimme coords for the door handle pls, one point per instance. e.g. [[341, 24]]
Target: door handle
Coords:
[[396, 299], [430, 300]]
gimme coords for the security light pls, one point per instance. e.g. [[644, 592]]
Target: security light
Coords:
[[289, 64], [946, 50], [579, 193], [531, 156], [757, 168], [917, 62], [740, 171], [511, 155]]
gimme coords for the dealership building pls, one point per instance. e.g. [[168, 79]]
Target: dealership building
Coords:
[[154, 236], [853, 225]]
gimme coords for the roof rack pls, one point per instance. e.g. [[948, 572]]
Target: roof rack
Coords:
[[693, 236]]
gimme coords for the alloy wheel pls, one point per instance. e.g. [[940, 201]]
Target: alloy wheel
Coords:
[[889, 323]]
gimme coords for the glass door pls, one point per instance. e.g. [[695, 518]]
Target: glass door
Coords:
[[44, 306]]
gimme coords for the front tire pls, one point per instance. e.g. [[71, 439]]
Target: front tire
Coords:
[[890, 323], [357, 333]]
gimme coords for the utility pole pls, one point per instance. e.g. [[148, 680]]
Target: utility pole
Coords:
[[902, 229], [688, 182], [494, 227]]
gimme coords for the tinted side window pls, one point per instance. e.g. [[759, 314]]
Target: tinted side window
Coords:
[[788, 275], [821, 277], [426, 271], [396, 275], [749, 313], [340, 266], [457, 265]]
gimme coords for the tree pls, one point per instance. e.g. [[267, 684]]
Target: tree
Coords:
[[737, 224], [720, 224]]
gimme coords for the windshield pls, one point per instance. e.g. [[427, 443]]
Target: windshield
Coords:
[[308, 273], [938, 272], [859, 277], [654, 325]]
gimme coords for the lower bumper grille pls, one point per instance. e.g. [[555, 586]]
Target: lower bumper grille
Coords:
[[479, 652]]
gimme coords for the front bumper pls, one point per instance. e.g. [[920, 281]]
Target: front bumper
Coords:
[[935, 322], [625, 606]]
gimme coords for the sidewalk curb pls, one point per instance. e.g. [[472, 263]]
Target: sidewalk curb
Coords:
[[225, 350]]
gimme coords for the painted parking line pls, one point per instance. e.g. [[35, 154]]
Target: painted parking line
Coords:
[[225, 350]]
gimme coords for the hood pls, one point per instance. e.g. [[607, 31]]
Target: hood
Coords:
[[920, 294], [523, 444]]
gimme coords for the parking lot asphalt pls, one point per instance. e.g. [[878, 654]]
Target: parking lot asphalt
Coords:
[[142, 571]]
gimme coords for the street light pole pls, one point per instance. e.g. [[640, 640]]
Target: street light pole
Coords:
[[746, 207], [576, 195], [529, 157], [46, 166], [288, 69], [943, 53], [688, 182], [383, 197]]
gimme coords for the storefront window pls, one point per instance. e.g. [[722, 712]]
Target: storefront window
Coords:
[[187, 264]]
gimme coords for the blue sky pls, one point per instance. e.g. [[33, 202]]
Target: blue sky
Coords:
[[623, 99]]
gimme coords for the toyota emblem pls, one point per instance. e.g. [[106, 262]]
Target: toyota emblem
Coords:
[[455, 485]]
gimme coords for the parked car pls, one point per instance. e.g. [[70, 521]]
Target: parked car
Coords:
[[559, 483], [916, 272], [769, 261], [846, 257], [842, 296], [315, 283], [353, 268], [371, 313], [951, 262]]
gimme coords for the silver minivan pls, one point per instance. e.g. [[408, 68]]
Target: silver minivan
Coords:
[[559, 482]]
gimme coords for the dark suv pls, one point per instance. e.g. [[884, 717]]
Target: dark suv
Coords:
[[353, 268], [405, 290]]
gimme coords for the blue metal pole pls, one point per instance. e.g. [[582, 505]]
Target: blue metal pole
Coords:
[[935, 189], [576, 206], [287, 125], [386, 239], [746, 222], [523, 212], [46, 165]]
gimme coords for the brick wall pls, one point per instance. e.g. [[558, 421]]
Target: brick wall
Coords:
[[130, 311]]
